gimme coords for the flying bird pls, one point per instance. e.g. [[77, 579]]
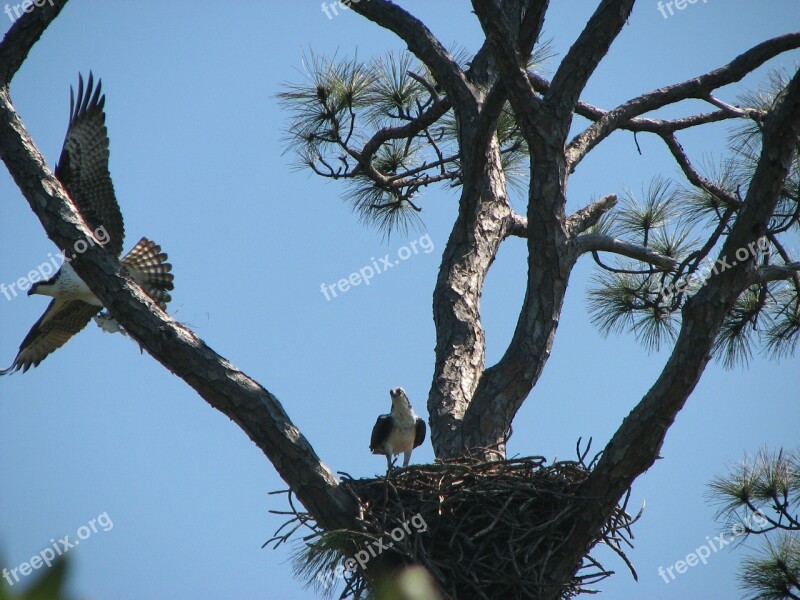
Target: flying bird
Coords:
[[399, 432], [83, 171]]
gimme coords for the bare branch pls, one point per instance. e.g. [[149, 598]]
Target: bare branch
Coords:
[[694, 176], [769, 273], [786, 259], [595, 242], [518, 225], [23, 35], [583, 57], [697, 87], [741, 113], [589, 215], [594, 113]]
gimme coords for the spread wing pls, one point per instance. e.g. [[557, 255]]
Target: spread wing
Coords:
[[57, 325], [419, 437], [381, 431], [83, 166], [149, 268]]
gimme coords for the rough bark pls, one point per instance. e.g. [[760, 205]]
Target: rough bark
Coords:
[[484, 218], [481, 226], [551, 254]]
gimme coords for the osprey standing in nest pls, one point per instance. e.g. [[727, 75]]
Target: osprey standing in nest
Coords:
[[83, 171], [398, 432]]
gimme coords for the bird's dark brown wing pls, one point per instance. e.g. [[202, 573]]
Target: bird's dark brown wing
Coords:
[[83, 165], [419, 437], [381, 431], [56, 326]]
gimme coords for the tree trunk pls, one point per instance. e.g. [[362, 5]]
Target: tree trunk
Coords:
[[482, 224]]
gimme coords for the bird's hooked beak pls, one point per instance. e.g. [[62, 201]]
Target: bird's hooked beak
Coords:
[[32, 289], [399, 393]]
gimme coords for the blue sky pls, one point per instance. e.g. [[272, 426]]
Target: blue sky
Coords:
[[198, 165]]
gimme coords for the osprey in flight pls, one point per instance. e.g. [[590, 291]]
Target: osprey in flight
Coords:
[[83, 171], [398, 432]]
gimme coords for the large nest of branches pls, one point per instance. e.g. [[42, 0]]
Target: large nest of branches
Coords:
[[482, 529]]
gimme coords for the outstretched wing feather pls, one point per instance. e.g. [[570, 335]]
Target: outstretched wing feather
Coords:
[[83, 165], [54, 328]]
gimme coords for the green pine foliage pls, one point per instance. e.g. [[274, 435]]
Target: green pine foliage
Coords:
[[761, 496], [690, 224], [385, 127]]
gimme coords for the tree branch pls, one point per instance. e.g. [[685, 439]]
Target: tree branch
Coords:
[[503, 387], [428, 118], [636, 444], [518, 225], [769, 273], [223, 386], [635, 124], [595, 242], [511, 64], [582, 59], [481, 226], [526, 30], [694, 176], [421, 42], [589, 215], [786, 259], [697, 87], [23, 34]]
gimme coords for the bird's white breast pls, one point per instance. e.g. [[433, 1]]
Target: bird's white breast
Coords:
[[401, 439], [68, 286], [404, 430]]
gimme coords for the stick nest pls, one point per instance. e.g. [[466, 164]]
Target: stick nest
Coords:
[[491, 527]]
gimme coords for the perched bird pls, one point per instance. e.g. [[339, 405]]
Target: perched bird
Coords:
[[398, 432], [83, 171]]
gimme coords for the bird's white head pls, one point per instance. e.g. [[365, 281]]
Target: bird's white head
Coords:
[[43, 288], [399, 397]]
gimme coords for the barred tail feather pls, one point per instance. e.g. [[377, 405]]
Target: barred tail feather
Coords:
[[149, 268]]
